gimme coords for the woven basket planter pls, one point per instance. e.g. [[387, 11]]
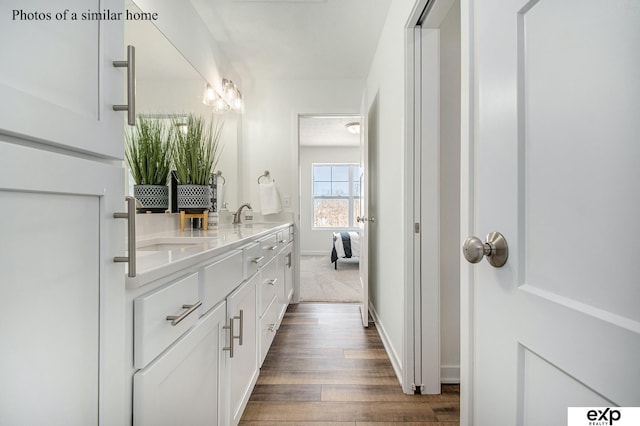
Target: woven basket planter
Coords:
[[194, 198], [154, 198]]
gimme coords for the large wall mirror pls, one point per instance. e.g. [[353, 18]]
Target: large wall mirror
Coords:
[[167, 85]]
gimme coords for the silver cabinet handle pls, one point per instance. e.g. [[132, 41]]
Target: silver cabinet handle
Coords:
[[130, 64], [272, 327], [495, 249], [273, 248], [176, 319], [130, 215], [230, 347], [272, 282], [288, 264], [258, 259], [283, 241], [241, 319]]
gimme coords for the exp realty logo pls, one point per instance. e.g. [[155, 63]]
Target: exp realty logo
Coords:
[[603, 416]]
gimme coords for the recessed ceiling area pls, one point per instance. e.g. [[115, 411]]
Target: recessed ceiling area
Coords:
[[296, 39], [327, 131]]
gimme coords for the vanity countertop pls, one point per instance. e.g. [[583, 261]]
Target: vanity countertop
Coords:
[[166, 253]]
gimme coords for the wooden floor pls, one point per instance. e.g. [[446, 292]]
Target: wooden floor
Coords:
[[324, 368]]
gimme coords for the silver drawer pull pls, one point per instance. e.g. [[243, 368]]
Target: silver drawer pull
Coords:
[[258, 259], [282, 241], [130, 215], [175, 319], [241, 319], [273, 247], [272, 282], [130, 65], [272, 327], [230, 347]]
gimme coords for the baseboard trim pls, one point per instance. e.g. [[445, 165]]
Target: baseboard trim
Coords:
[[386, 342], [450, 374]]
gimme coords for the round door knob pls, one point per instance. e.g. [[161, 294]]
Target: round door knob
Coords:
[[359, 219], [495, 249], [372, 219]]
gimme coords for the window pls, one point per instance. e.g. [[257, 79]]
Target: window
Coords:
[[336, 195]]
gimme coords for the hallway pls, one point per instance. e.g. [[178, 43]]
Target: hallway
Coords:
[[325, 368]]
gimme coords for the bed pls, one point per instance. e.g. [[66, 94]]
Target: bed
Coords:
[[346, 245]]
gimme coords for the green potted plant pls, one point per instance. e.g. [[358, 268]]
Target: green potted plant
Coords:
[[148, 155], [196, 152]]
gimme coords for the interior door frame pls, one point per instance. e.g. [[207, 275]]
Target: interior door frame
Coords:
[[412, 260], [412, 352], [296, 177]]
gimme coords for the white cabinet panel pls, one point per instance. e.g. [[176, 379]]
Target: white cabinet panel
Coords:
[[153, 333], [243, 366], [221, 278], [268, 285], [182, 386], [60, 291], [57, 82]]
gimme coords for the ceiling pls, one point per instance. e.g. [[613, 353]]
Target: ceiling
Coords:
[[296, 39], [327, 131]]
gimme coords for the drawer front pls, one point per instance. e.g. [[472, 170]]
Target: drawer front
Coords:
[[285, 237], [153, 333], [221, 278], [253, 259], [268, 326], [269, 246], [270, 283]]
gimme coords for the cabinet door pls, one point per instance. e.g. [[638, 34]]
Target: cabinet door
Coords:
[[57, 81], [288, 271], [183, 385], [61, 293], [243, 371]]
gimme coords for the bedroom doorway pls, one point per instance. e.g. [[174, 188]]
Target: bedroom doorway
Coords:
[[329, 167]]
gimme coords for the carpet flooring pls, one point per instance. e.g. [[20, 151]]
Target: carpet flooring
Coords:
[[320, 282]]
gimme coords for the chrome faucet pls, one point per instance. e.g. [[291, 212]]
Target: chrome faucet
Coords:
[[236, 216]]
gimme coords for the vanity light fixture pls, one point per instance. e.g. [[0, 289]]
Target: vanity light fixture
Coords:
[[213, 98], [353, 127], [231, 98], [209, 95], [232, 94]]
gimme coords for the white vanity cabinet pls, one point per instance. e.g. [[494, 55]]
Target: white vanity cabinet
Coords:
[[183, 385], [200, 366]]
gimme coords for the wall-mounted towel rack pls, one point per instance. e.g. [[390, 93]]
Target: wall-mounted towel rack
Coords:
[[219, 174], [266, 175]]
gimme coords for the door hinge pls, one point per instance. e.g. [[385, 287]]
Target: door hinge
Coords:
[[416, 228]]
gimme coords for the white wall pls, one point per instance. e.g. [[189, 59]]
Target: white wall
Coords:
[[270, 128], [386, 81], [450, 196], [318, 241]]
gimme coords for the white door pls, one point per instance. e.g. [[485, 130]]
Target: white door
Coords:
[[61, 345], [243, 366], [363, 219], [57, 79], [553, 166]]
